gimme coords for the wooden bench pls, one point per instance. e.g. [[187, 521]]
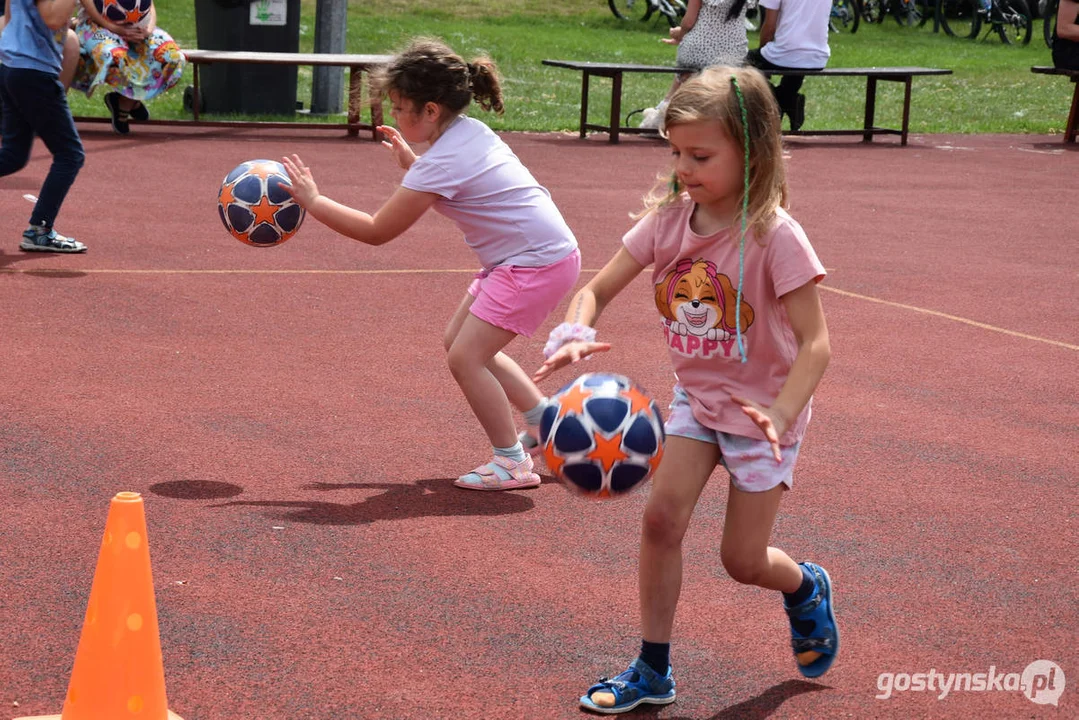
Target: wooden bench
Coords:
[[1072, 128], [872, 76], [359, 67]]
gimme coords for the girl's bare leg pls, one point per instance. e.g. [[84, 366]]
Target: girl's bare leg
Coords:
[[745, 552], [475, 345], [522, 393], [682, 474]]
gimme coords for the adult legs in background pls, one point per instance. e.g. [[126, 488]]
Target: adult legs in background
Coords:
[[791, 102]]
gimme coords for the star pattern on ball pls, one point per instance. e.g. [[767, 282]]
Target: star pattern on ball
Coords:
[[226, 197], [264, 211], [573, 401], [603, 435], [554, 462], [638, 401], [608, 451], [264, 169], [251, 204]]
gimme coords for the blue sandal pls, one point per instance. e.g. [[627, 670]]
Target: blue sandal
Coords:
[[636, 685], [813, 626]]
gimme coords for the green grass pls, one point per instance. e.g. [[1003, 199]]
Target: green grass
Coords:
[[992, 90]]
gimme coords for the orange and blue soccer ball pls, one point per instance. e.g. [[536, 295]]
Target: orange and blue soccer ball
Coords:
[[602, 435], [255, 207], [124, 12]]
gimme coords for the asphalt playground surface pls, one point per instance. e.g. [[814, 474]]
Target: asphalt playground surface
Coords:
[[288, 418]]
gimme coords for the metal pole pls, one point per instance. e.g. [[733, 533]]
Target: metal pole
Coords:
[[331, 23]]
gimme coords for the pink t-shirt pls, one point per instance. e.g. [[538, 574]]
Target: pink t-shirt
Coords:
[[696, 281]]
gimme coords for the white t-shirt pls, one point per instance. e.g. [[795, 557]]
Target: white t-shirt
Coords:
[[801, 39], [507, 217]]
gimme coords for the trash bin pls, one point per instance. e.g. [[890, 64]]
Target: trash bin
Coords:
[[253, 26]]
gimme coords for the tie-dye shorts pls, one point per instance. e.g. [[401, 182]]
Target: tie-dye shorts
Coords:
[[749, 461]]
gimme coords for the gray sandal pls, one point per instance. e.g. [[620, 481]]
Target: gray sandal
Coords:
[[51, 241]]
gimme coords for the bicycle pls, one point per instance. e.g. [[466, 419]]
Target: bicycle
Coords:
[[1049, 21], [908, 13], [845, 16], [1009, 18], [643, 10]]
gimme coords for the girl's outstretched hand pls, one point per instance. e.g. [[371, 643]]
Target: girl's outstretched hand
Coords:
[[771, 424], [571, 352], [304, 190], [402, 153]]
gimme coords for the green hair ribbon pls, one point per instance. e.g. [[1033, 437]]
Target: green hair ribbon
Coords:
[[745, 219]]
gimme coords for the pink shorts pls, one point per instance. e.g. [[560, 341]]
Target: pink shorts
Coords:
[[518, 298], [749, 461]]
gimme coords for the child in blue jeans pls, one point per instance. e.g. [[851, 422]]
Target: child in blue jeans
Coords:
[[34, 102]]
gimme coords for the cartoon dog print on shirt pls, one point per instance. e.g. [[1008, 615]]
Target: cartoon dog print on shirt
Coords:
[[697, 301]]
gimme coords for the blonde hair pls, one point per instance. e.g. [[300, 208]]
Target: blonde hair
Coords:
[[712, 96], [429, 71]]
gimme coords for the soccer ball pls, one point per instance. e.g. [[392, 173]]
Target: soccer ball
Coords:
[[125, 12], [602, 435], [255, 208]]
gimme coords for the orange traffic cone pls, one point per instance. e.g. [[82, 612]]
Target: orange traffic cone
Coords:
[[118, 671]]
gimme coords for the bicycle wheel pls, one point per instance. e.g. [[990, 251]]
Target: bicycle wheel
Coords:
[[960, 18], [927, 8], [845, 16], [906, 12], [1013, 22], [629, 9], [1049, 25], [873, 11], [673, 10]]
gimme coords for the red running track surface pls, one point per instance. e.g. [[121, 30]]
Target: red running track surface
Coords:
[[289, 419]]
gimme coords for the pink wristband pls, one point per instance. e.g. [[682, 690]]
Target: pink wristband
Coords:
[[567, 332]]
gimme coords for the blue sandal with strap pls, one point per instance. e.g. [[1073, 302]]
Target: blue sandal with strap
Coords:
[[636, 685], [814, 632]]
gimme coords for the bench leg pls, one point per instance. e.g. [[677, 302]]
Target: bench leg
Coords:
[[584, 102], [1073, 117], [906, 111], [198, 95], [870, 106], [376, 111], [616, 106], [355, 98]]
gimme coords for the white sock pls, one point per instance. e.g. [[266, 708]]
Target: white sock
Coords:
[[516, 452], [533, 416]]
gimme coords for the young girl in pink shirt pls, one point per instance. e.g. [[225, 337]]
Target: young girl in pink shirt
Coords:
[[735, 281], [529, 255]]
